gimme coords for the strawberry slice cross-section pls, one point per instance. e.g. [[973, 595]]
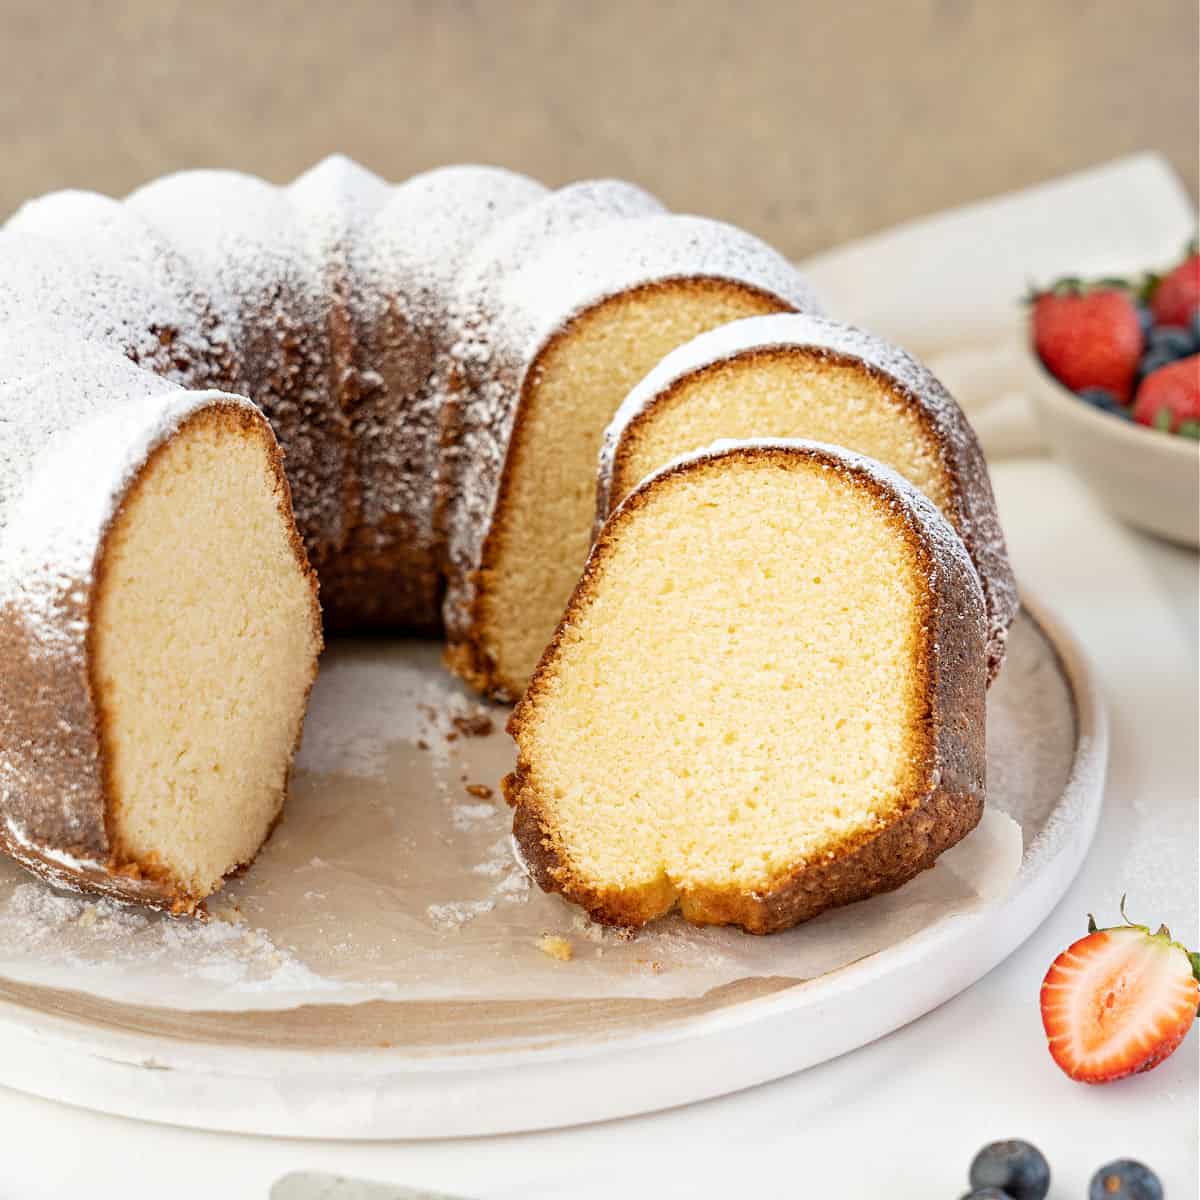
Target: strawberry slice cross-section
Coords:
[[1119, 1001]]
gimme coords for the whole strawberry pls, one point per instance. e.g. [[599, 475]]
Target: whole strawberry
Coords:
[[1119, 1001], [1177, 296], [1088, 336], [1169, 398]]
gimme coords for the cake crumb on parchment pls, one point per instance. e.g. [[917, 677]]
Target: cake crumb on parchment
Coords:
[[556, 946]]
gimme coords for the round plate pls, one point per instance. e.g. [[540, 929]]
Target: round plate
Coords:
[[391, 1070]]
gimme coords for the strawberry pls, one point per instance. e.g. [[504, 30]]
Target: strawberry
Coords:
[[1088, 336], [1177, 295], [1119, 1001], [1169, 398]]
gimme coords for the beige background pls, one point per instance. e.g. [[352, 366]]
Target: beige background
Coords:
[[808, 122]]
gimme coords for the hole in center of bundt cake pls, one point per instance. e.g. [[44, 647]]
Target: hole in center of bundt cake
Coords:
[[544, 525], [205, 637], [772, 721]]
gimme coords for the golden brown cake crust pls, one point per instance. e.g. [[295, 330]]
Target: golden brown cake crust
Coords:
[[54, 727], [944, 803]]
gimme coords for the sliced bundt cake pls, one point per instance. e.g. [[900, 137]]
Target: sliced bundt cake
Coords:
[[568, 335], [798, 376], [766, 697], [159, 627]]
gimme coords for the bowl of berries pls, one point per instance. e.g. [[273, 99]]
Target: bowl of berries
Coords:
[[1116, 384]]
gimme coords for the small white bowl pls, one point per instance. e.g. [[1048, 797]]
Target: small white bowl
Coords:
[[1148, 478]]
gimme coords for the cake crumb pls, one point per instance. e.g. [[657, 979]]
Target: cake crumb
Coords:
[[452, 736], [476, 724], [88, 917], [422, 744], [230, 914], [556, 946], [481, 790]]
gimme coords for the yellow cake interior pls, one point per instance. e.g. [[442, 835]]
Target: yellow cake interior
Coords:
[[544, 525], [783, 393], [742, 688], [205, 638]]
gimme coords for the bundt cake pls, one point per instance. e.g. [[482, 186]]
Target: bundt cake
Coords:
[[766, 696], [438, 361], [159, 624], [798, 376]]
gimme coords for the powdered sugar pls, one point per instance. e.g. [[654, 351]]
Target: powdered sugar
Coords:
[[107, 231], [62, 495], [405, 264], [70, 864], [66, 934]]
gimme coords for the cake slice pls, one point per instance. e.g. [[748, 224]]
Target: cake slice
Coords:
[[159, 626], [797, 376], [766, 697], [571, 332]]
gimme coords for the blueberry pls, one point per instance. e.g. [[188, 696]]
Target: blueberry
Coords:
[[988, 1193], [1153, 360], [1145, 319], [1125, 1179], [1194, 326], [1015, 1167], [1171, 342], [1104, 400]]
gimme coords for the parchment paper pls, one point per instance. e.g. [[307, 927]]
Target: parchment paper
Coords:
[[389, 879]]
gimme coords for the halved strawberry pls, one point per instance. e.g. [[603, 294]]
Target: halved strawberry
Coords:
[[1119, 1001]]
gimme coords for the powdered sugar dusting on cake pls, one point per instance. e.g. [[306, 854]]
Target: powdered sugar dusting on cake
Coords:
[[405, 262], [108, 231], [50, 384], [56, 861], [416, 247], [578, 271], [74, 434], [522, 238], [975, 515], [61, 285], [330, 204], [241, 238], [234, 230]]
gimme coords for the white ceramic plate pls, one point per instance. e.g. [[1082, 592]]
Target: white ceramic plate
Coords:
[[392, 1070]]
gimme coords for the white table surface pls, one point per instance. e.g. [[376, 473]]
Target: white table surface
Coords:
[[901, 1118]]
